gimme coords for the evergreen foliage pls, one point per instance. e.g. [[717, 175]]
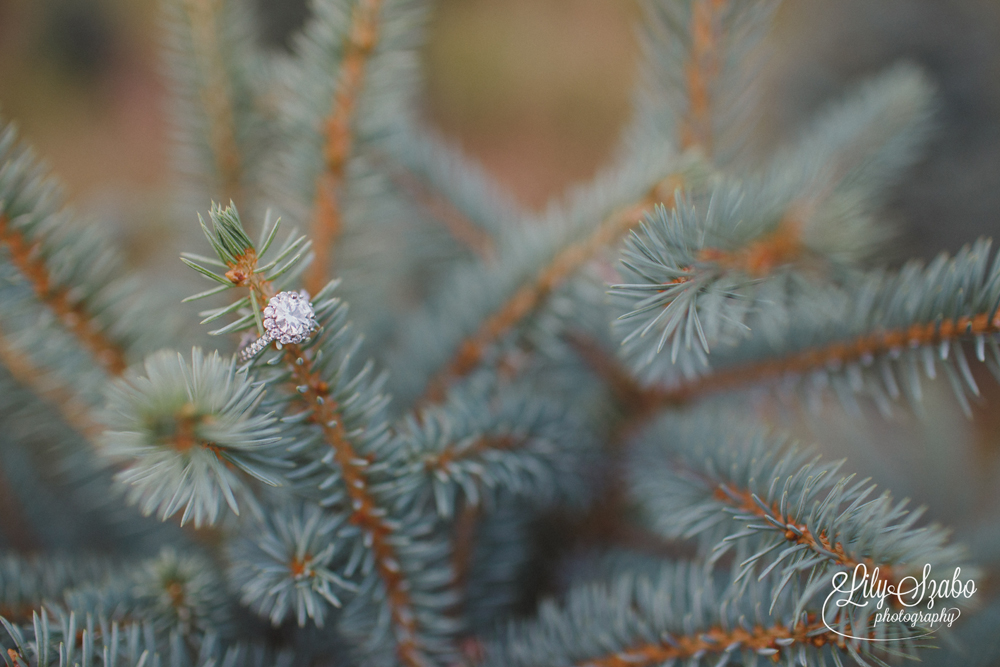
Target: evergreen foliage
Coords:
[[203, 412], [389, 491]]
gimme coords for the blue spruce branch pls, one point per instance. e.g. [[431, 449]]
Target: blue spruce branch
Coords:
[[682, 615], [874, 337]]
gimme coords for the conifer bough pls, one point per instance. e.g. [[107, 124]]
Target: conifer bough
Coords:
[[374, 500]]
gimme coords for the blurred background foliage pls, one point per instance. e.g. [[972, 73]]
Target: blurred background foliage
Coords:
[[537, 90]]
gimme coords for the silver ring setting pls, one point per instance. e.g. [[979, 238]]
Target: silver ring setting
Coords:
[[289, 319]]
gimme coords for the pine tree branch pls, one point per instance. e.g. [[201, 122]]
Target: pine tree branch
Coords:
[[216, 96], [36, 583], [365, 510], [243, 273], [28, 258], [694, 275], [184, 431], [662, 613], [530, 296], [327, 222], [779, 508], [57, 394], [490, 444], [71, 409], [690, 284], [775, 641], [313, 393], [296, 541], [762, 256], [835, 355], [13, 523], [701, 71], [745, 502], [465, 465]]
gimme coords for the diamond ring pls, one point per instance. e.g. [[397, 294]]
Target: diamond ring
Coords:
[[288, 319]]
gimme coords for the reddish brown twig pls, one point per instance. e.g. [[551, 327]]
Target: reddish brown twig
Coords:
[[833, 355], [313, 394], [30, 261], [49, 388], [365, 511], [717, 640], [800, 533], [216, 97], [759, 258], [327, 204], [701, 72]]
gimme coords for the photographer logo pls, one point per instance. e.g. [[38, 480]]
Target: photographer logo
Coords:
[[918, 602]]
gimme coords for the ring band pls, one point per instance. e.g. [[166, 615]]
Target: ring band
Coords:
[[254, 348]]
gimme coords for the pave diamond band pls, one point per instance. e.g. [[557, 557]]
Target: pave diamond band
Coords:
[[288, 319], [254, 348]]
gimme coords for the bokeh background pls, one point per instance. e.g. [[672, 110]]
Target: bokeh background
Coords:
[[538, 90]]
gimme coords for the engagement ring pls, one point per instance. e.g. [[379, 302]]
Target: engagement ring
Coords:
[[288, 319]]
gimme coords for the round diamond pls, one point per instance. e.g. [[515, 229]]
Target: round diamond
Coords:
[[289, 318]]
